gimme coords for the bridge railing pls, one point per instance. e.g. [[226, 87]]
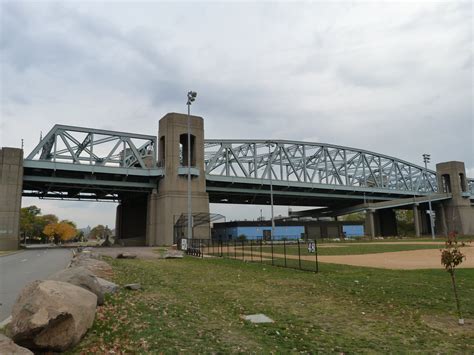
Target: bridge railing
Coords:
[[87, 146], [315, 163]]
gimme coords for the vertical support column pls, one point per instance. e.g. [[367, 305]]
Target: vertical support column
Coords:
[[441, 226], [152, 218], [370, 223], [118, 222], [416, 220], [11, 186]]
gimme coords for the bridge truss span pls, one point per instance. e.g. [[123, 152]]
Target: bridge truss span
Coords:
[[85, 163], [321, 165]]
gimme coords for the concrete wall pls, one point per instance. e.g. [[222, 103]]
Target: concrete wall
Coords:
[[11, 184]]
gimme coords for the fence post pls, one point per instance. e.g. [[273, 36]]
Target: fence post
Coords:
[[200, 248], [284, 250], [243, 250], [299, 254], [261, 259], [271, 243], [251, 251], [316, 253], [235, 250]]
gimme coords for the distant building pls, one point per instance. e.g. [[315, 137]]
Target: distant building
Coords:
[[289, 230]]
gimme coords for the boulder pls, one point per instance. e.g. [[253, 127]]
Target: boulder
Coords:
[[173, 254], [52, 315], [126, 256], [82, 277], [7, 346], [107, 286], [98, 267]]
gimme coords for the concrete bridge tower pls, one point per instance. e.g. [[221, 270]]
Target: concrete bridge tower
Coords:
[[455, 214], [169, 202]]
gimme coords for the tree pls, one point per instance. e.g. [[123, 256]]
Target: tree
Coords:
[[28, 220], [451, 257], [60, 231], [100, 232], [354, 217], [405, 223]]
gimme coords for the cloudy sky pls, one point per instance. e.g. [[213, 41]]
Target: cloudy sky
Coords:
[[391, 77]]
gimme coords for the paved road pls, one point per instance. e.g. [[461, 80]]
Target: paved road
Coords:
[[16, 270]]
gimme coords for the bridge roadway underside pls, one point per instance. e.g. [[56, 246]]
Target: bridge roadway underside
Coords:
[[62, 183], [287, 195]]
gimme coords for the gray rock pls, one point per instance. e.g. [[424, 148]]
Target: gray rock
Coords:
[[82, 277], [132, 286], [258, 318], [173, 254], [7, 346], [52, 315], [98, 267], [107, 286], [126, 256]]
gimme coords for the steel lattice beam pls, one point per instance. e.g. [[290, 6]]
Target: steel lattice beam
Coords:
[[87, 146], [314, 163]]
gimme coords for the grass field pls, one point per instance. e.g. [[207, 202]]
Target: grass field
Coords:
[[194, 305]]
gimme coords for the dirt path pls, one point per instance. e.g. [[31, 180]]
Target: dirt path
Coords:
[[402, 260], [399, 260]]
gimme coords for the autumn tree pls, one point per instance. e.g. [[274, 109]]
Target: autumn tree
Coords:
[[451, 257], [63, 231]]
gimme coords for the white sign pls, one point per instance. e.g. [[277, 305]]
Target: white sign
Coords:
[[184, 244], [311, 247]]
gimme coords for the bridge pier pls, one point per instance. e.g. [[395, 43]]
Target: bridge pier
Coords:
[[459, 214], [11, 185], [381, 222], [416, 220], [170, 201], [131, 219]]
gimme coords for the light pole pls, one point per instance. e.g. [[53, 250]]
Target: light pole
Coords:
[[191, 97], [270, 144], [426, 159]]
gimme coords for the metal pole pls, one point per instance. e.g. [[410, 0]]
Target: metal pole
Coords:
[[426, 159], [284, 250], [271, 188], [299, 254], [190, 208]]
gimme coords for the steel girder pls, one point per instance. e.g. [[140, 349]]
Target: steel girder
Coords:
[[87, 146], [314, 163]]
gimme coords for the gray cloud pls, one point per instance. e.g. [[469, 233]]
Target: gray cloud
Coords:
[[389, 77]]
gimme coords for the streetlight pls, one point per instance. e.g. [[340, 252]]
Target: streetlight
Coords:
[[426, 159], [191, 97], [270, 144]]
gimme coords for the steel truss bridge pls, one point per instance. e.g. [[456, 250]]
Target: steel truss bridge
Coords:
[[84, 163]]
